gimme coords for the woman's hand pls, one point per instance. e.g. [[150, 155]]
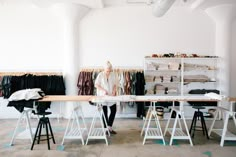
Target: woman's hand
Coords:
[[106, 92], [114, 91]]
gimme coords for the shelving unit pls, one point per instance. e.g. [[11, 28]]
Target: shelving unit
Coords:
[[183, 73], [199, 73], [163, 76], [177, 76]]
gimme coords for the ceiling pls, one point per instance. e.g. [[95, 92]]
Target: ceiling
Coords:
[[194, 4]]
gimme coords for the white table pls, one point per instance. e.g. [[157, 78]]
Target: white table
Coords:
[[225, 134], [156, 133], [72, 131]]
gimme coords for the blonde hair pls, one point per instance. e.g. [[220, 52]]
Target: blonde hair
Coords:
[[108, 65]]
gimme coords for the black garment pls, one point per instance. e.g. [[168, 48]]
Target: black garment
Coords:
[[112, 115], [19, 105], [51, 85], [139, 90], [6, 86], [203, 91], [0, 86]]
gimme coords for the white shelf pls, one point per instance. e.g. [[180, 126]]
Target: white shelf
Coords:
[[167, 70], [179, 134], [163, 82], [199, 82], [228, 135], [196, 68], [153, 133]]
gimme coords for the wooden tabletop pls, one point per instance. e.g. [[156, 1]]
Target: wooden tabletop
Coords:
[[232, 99], [126, 98], [66, 98], [199, 98]]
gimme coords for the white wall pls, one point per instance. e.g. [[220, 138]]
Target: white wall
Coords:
[[232, 61], [30, 39], [125, 35]]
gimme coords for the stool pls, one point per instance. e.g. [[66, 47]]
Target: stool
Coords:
[[43, 122], [198, 115]]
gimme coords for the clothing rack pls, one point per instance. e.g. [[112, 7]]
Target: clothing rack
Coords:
[[115, 69], [32, 73]]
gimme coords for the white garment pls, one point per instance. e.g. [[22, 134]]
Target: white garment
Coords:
[[106, 83], [26, 94], [121, 89], [215, 96]]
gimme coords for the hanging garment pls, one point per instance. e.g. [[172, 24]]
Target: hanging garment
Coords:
[[6, 86], [85, 83], [0, 86], [51, 85], [139, 90], [127, 83]]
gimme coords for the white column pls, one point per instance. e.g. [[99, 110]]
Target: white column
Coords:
[[71, 15], [223, 16]]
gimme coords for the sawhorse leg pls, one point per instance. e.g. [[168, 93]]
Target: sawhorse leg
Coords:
[[24, 113], [99, 135]]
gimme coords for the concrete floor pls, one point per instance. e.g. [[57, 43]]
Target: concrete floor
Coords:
[[127, 143]]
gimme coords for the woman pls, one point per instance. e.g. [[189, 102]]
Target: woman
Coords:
[[106, 85]]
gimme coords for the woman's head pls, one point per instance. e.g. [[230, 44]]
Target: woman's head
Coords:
[[108, 67]]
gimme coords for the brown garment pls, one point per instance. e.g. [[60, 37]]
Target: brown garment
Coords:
[[127, 85], [85, 83]]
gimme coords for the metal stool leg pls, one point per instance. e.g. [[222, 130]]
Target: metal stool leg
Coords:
[[35, 136], [51, 133]]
